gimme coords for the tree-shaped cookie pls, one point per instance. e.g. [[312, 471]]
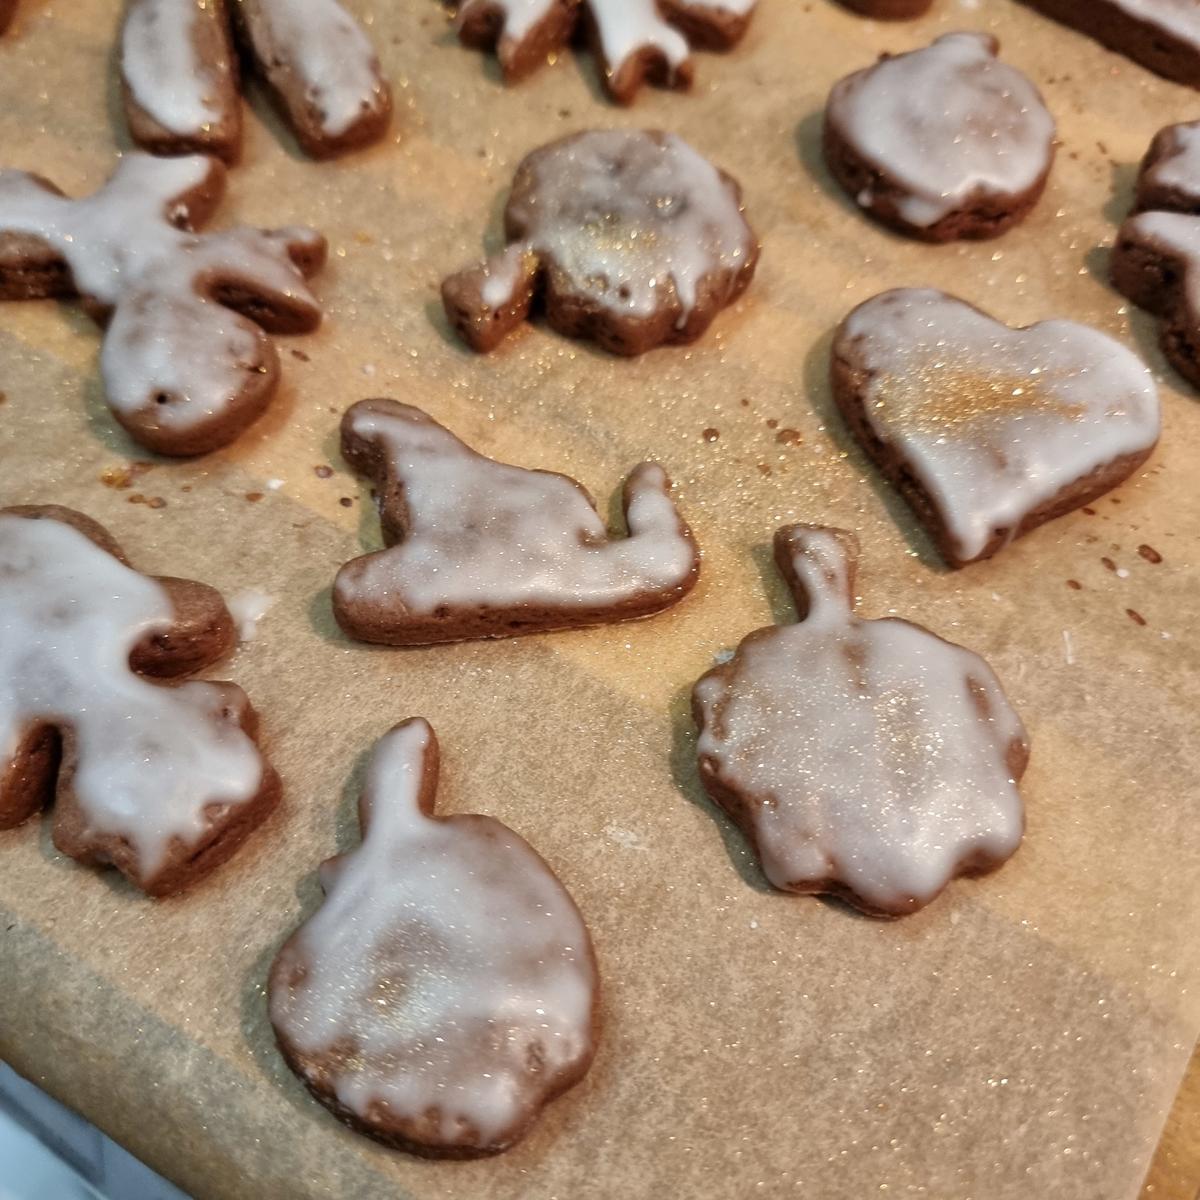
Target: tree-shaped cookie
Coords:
[[179, 72], [989, 431], [162, 782], [446, 989], [635, 41], [626, 237], [185, 362], [1156, 259], [869, 759], [482, 549], [943, 142]]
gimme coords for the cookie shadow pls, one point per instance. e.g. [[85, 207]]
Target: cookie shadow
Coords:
[[809, 142], [820, 397], [779, 596], [685, 774], [1122, 187]]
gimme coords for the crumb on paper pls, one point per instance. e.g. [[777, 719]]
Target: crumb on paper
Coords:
[[247, 608], [1068, 648], [624, 837]]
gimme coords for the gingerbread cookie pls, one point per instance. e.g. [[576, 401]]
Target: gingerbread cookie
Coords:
[[486, 550], [867, 759], [1156, 259], [889, 10], [635, 41], [1163, 35], [446, 989], [629, 238], [942, 143], [180, 79], [185, 362], [162, 782], [8, 9], [989, 431]]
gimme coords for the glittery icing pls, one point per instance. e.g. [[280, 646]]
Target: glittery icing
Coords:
[[145, 762], [863, 757], [993, 422], [446, 987], [946, 124]]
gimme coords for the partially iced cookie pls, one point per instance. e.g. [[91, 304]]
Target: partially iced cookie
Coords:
[[989, 431], [446, 989], [869, 759], [186, 361], [164, 783], [941, 143], [635, 41], [483, 549], [626, 237], [179, 74]]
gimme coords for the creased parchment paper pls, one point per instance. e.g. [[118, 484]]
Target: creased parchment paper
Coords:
[[1023, 1037]]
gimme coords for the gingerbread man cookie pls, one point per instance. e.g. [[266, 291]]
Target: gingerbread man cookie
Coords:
[[635, 41], [989, 431], [446, 989], [483, 549], [1156, 259], [941, 143], [185, 362], [1163, 35], [869, 759], [629, 238], [179, 74], [162, 782]]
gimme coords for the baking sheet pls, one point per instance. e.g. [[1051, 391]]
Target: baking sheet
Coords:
[[1024, 1036]]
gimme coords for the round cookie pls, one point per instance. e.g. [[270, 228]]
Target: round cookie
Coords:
[[446, 989], [481, 549], [186, 361], [162, 782], [867, 759], [942, 143], [629, 238], [989, 431]]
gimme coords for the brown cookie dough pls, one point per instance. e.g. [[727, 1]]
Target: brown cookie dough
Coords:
[[867, 759], [480, 549], [446, 989], [186, 363], [635, 41], [162, 782], [942, 143], [629, 238], [1163, 35], [989, 431], [179, 74], [1156, 258]]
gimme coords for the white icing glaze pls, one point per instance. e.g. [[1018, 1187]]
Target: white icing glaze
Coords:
[[327, 49], [1180, 168], [860, 748], [488, 534], [1178, 17], [503, 274], [946, 123], [995, 421], [247, 608], [166, 336], [162, 69], [518, 17], [445, 957], [630, 217], [151, 758]]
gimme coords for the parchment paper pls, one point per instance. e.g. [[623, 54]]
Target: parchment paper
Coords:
[[1023, 1037]]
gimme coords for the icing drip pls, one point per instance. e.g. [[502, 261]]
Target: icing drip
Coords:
[[946, 123], [447, 975], [869, 756], [630, 218], [150, 760], [483, 534], [162, 69], [168, 336], [327, 49], [248, 608], [993, 421]]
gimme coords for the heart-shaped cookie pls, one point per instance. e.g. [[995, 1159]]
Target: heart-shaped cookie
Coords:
[[989, 431]]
